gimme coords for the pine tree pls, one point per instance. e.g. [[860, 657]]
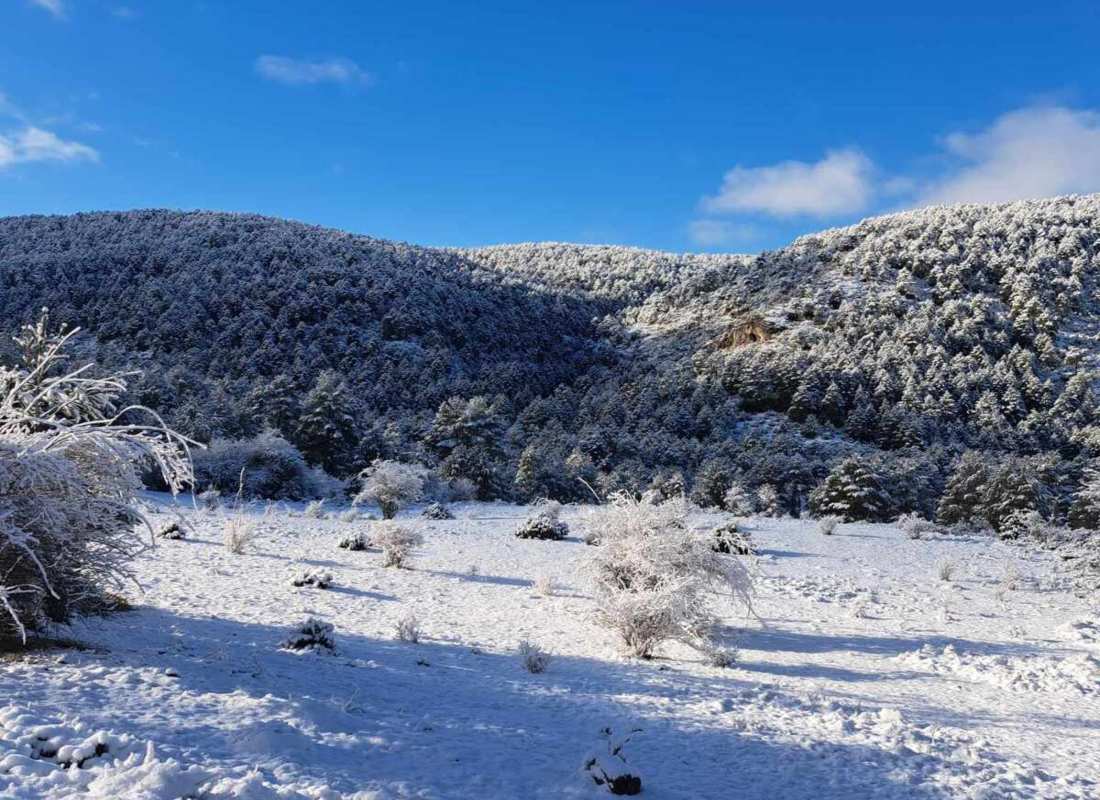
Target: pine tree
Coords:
[[862, 421], [1085, 510], [326, 432], [467, 436], [275, 404], [806, 401], [853, 492], [1012, 490], [961, 501], [832, 405]]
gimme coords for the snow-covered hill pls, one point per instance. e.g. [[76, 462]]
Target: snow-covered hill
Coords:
[[903, 340], [866, 674]]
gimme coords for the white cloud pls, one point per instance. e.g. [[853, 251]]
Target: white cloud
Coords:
[[296, 72], [714, 232], [35, 144], [1024, 154], [840, 183], [55, 7]]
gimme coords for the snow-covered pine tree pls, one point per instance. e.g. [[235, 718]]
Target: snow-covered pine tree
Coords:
[[1085, 509], [962, 498], [326, 432], [1013, 490], [467, 434], [853, 492]]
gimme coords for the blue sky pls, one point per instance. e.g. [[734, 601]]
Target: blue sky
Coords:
[[677, 125]]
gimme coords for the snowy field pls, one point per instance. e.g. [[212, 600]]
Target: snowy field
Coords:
[[865, 675]]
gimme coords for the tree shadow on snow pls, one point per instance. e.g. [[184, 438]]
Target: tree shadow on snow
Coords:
[[457, 722], [771, 640]]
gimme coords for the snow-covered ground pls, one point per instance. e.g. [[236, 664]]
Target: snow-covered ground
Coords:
[[865, 675]]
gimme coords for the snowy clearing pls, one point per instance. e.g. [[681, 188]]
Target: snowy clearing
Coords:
[[866, 675]]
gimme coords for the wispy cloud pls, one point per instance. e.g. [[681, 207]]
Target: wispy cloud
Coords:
[[55, 7], [715, 232], [840, 183], [35, 144], [1027, 153], [298, 72]]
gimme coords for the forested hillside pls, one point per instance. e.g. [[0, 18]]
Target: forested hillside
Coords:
[[900, 342]]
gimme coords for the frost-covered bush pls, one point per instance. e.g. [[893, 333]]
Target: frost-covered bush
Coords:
[[437, 511], [729, 539], [768, 502], [239, 533], [653, 576], [915, 526], [313, 634], [544, 524], [272, 468], [543, 586], [391, 484], [355, 542], [739, 501], [396, 542], [315, 509], [316, 578], [209, 500], [408, 629], [946, 570], [70, 466], [533, 658], [717, 655], [828, 525]]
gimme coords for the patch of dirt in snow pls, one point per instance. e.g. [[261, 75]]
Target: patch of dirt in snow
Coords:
[[1079, 673]]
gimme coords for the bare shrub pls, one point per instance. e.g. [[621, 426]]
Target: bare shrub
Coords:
[[828, 525], [69, 476], [946, 570], [408, 629], [533, 658], [396, 542], [391, 484], [543, 585], [239, 533], [313, 634], [653, 575]]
